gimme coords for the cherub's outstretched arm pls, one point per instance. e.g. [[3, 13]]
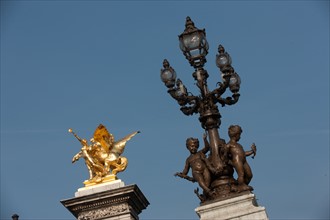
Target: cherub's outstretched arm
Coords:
[[184, 173], [252, 151]]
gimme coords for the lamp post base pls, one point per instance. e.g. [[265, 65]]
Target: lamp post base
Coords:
[[242, 207]]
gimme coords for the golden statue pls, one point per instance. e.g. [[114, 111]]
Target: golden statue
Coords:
[[103, 156]]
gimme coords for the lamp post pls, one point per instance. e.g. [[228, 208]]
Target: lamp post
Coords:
[[195, 47]]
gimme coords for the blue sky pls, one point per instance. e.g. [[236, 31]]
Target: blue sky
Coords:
[[76, 64]]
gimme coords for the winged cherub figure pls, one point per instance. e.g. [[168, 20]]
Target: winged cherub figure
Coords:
[[103, 156]]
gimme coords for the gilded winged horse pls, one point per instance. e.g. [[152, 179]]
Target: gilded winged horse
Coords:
[[103, 155]]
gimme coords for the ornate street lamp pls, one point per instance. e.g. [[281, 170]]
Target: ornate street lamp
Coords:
[[195, 47], [193, 44]]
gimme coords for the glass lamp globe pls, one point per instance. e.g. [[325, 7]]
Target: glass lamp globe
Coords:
[[223, 59], [193, 44], [234, 82], [168, 74], [181, 89]]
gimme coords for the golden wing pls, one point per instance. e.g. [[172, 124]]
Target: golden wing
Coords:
[[103, 136], [119, 146]]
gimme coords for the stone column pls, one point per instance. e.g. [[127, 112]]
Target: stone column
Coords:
[[108, 201], [242, 207]]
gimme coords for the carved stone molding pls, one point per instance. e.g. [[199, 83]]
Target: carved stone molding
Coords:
[[114, 210], [244, 207], [126, 201]]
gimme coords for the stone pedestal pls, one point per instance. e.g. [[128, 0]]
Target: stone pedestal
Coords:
[[242, 207], [108, 201]]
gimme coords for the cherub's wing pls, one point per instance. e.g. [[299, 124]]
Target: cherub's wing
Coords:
[[119, 146], [103, 136]]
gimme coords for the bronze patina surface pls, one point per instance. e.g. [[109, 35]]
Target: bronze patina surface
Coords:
[[212, 167]]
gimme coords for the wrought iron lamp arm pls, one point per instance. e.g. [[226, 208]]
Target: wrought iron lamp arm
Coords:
[[187, 101], [230, 79], [229, 100], [192, 107], [222, 87]]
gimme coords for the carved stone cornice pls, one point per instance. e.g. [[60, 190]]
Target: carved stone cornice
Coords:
[[127, 200]]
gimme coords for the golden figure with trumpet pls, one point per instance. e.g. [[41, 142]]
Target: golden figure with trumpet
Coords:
[[103, 156]]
